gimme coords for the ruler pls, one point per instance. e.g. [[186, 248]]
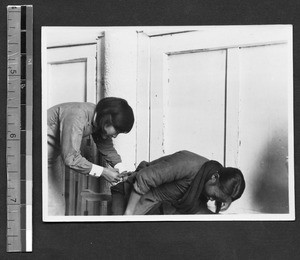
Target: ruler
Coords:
[[19, 128]]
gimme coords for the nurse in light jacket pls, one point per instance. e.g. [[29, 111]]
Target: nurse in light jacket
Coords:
[[68, 124]]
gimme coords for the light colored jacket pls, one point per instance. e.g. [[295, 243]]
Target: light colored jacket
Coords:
[[67, 124]]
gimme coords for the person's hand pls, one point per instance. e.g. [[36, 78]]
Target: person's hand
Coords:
[[111, 175]]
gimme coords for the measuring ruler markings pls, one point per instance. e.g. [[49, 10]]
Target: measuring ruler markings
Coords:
[[19, 128]]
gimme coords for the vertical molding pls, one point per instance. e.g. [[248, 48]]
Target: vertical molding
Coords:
[[143, 98], [120, 80], [100, 68], [86, 81], [91, 75], [225, 107], [165, 99], [156, 97], [290, 159], [232, 108]]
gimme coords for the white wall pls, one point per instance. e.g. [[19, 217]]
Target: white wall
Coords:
[[120, 81]]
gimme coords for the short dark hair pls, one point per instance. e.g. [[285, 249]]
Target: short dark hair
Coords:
[[231, 183], [116, 112]]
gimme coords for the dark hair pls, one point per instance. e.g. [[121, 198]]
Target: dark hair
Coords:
[[231, 183], [116, 112]]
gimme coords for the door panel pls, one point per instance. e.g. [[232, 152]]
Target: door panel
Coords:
[[63, 86], [193, 107], [71, 74], [187, 96], [264, 127]]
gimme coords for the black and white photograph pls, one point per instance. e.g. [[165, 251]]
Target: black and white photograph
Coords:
[[167, 123]]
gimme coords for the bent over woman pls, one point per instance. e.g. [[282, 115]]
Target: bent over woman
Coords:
[[68, 124], [183, 180]]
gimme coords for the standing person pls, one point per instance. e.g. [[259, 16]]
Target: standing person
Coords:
[[184, 180], [68, 124]]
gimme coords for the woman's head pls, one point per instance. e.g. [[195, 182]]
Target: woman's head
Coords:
[[224, 187], [113, 116]]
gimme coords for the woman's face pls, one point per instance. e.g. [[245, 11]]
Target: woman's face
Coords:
[[213, 193], [111, 132]]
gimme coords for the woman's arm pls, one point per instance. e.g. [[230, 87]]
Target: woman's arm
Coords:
[[108, 151], [71, 131]]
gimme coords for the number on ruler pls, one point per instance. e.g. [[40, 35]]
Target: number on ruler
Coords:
[[13, 72], [13, 135]]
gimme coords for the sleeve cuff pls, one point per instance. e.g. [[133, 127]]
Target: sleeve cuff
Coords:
[[96, 170], [121, 167]]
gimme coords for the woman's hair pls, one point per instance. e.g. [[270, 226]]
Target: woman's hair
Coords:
[[114, 112], [231, 183]]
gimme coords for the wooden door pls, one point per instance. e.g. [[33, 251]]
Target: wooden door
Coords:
[[264, 127], [222, 93], [187, 100], [72, 76]]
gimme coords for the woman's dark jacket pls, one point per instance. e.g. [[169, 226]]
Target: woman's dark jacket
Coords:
[[169, 177]]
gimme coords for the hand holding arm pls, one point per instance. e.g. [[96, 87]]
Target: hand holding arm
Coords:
[[111, 175]]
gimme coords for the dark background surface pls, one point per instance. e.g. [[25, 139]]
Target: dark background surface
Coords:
[[150, 240]]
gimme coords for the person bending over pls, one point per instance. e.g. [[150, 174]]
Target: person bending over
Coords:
[[68, 124], [184, 180]]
